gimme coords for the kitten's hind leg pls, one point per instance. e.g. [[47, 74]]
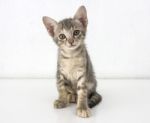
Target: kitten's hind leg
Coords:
[[59, 104], [66, 93], [63, 99]]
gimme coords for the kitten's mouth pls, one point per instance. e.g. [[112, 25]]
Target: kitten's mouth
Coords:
[[72, 45]]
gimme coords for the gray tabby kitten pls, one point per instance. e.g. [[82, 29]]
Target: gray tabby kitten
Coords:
[[76, 81]]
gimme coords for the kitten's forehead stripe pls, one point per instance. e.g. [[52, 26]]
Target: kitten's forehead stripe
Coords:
[[66, 23]]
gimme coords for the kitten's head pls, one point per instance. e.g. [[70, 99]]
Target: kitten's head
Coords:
[[68, 33]]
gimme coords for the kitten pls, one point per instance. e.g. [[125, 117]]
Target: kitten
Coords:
[[76, 81]]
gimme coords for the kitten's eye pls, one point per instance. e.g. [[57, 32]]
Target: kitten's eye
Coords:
[[62, 36], [76, 32]]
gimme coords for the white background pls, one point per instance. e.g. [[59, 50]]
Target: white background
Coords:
[[118, 38]]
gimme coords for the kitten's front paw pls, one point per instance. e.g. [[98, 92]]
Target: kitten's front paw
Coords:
[[83, 112], [59, 104]]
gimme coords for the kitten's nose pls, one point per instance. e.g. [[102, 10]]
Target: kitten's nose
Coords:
[[71, 41]]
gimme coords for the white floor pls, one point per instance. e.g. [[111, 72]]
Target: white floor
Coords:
[[31, 101]]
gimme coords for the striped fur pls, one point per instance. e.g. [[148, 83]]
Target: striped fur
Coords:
[[94, 99], [76, 82]]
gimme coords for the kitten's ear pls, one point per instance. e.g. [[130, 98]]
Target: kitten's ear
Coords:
[[50, 25], [81, 15]]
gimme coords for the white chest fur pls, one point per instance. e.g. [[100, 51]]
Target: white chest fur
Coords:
[[72, 68]]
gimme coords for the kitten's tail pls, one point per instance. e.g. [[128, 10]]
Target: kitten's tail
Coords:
[[94, 99]]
